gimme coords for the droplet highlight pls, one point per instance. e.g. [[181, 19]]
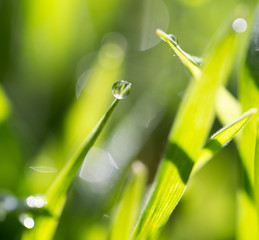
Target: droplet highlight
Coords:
[[239, 25], [26, 220], [35, 201], [121, 89], [173, 38], [10, 203]]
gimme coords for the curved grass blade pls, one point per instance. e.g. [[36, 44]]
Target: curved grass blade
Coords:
[[227, 106], [221, 138], [128, 210], [56, 194], [191, 62], [192, 125]]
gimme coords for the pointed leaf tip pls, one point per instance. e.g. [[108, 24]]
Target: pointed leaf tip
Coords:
[[221, 138]]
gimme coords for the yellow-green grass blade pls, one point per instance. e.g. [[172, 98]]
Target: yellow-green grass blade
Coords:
[[4, 106], [191, 62], [256, 170], [11, 161], [191, 128], [10, 152], [227, 106], [97, 231], [249, 97], [126, 141], [56, 195], [221, 139], [128, 209], [67, 174], [247, 220]]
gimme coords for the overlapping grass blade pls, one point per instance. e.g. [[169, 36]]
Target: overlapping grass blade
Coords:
[[128, 209], [191, 127], [249, 97], [227, 106], [56, 194], [221, 138]]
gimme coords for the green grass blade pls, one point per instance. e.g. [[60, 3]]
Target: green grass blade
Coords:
[[191, 127], [247, 222], [221, 138], [106, 70], [256, 169], [249, 97], [227, 106], [67, 174], [83, 113], [188, 60], [128, 210], [56, 194], [4, 106], [10, 152]]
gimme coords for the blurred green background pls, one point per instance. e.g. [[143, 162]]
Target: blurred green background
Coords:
[[58, 61]]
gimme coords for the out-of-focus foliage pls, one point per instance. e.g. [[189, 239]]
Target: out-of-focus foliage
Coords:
[[58, 61]]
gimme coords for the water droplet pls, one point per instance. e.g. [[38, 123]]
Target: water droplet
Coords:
[[26, 220], [29, 222], [10, 203], [239, 25], [121, 89], [174, 38], [36, 201]]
